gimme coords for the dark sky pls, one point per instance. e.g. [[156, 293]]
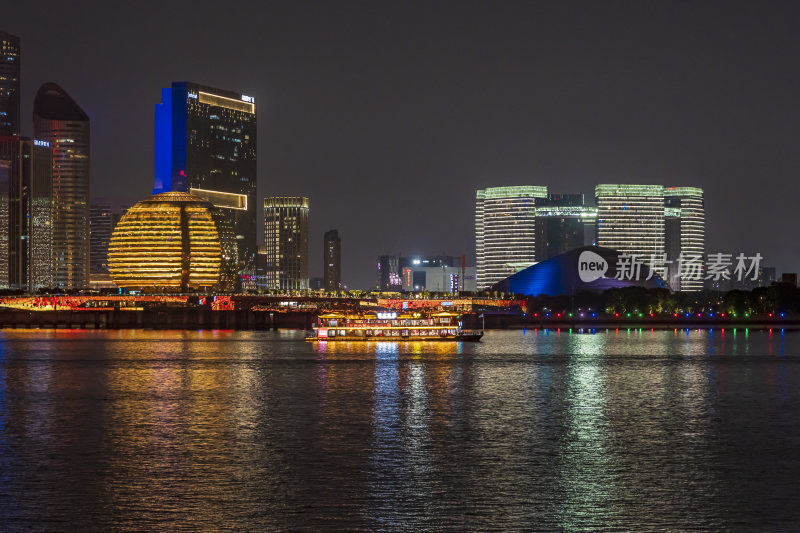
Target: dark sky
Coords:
[[389, 115]]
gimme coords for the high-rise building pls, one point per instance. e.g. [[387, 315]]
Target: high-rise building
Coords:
[[100, 228], [286, 242], [58, 120], [505, 231], [563, 223], [205, 144], [389, 273], [9, 84], [630, 219], [332, 256], [685, 227], [26, 212]]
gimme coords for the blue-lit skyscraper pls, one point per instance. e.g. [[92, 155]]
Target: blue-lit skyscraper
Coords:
[[205, 144]]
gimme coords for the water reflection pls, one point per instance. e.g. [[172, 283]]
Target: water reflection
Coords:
[[527, 430], [587, 477]]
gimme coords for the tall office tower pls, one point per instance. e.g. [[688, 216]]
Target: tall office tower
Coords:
[[286, 242], [9, 84], [57, 119], [563, 223], [332, 268], [630, 219], [505, 231], [685, 220], [100, 229], [205, 144], [389, 273], [26, 211]]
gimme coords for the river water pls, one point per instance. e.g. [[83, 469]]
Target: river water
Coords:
[[547, 430]]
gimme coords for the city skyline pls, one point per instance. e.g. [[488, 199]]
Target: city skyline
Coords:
[[569, 119]]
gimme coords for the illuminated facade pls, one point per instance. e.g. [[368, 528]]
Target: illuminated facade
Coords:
[[26, 214], [100, 226], [173, 242], [332, 255], [205, 144], [9, 84], [685, 221], [396, 273], [450, 279], [505, 231], [286, 242], [563, 223], [58, 120], [389, 273], [630, 220]]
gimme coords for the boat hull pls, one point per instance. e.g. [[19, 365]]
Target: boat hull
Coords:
[[466, 337]]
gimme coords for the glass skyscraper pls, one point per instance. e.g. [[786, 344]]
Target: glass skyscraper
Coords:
[[286, 242], [332, 255], [516, 227], [9, 84], [205, 144], [630, 219], [59, 121], [685, 219], [505, 231], [100, 228], [26, 213], [389, 273], [563, 223], [662, 226]]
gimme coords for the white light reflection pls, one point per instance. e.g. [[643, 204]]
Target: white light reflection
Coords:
[[587, 476]]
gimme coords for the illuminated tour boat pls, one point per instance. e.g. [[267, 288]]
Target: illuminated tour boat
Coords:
[[391, 326]]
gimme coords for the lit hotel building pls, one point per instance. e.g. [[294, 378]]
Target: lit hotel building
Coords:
[[685, 221], [205, 144], [58, 120], [9, 84], [286, 243], [630, 220], [173, 242], [26, 211], [505, 231]]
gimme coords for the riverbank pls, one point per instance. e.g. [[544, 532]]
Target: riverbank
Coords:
[[186, 318], [511, 321], [204, 318]]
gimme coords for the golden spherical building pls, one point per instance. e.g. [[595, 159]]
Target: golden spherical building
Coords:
[[173, 241]]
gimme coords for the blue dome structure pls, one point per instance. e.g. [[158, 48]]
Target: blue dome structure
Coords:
[[591, 268]]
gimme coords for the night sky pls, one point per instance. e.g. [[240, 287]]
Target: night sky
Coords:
[[389, 115]]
